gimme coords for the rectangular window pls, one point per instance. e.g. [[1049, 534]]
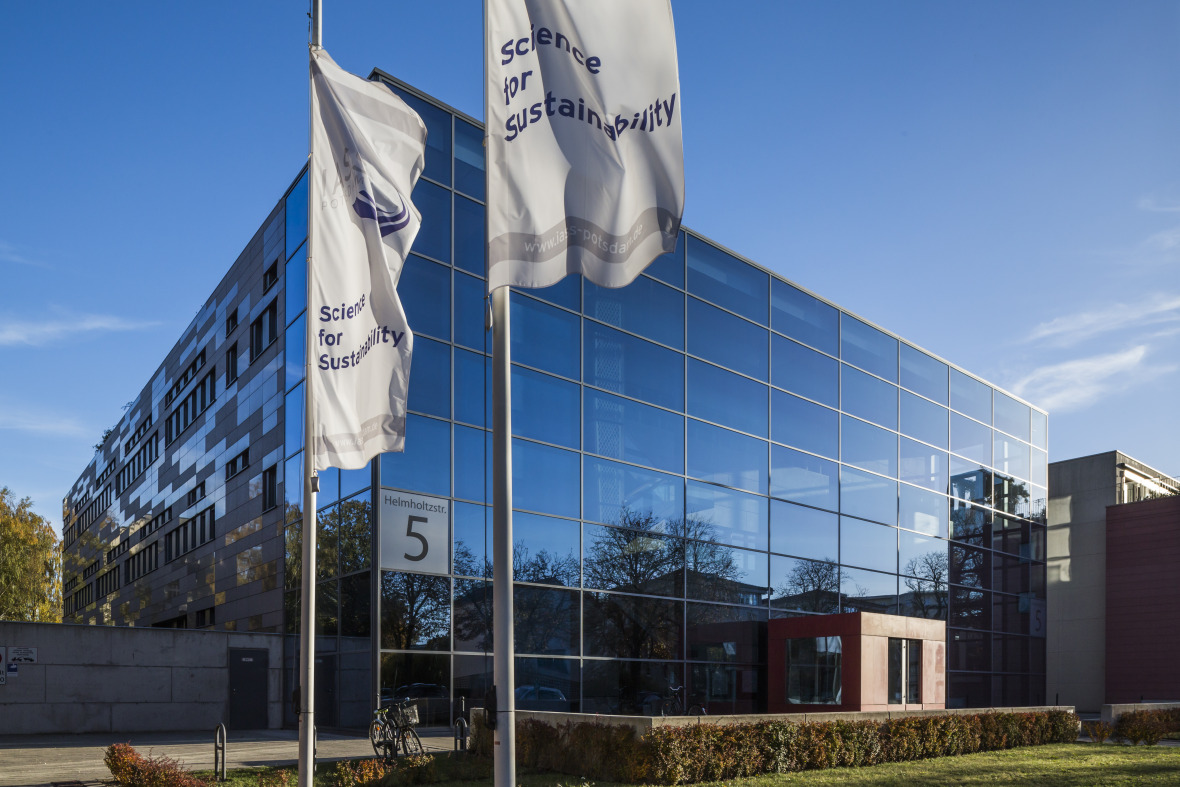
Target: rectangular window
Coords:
[[187, 410], [231, 363], [206, 617], [158, 521], [264, 330], [905, 671], [270, 488], [271, 277], [231, 322], [196, 493], [237, 464], [813, 671]]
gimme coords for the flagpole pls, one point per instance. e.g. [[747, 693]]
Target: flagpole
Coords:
[[503, 644], [310, 487]]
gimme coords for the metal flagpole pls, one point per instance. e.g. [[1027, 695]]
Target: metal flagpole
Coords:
[[310, 487], [503, 644]]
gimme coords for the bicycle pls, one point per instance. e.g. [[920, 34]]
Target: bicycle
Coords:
[[392, 730], [672, 704]]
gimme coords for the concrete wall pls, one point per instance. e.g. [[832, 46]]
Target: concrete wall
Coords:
[[117, 679], [1079, 492]]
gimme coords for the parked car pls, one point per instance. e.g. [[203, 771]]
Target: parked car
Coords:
[[534, 697]]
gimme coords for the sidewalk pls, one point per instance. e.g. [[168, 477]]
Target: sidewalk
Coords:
[[45, 760]]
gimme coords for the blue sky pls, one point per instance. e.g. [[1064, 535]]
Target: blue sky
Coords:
[[997, 182]]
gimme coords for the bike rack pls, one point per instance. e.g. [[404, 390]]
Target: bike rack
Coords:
[[461, 726], [219, 752]]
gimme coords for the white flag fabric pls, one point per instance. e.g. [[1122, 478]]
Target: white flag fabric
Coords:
[[367, 151], [585, 153]]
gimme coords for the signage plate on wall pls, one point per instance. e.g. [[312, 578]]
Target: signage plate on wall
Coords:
[[415, 533]]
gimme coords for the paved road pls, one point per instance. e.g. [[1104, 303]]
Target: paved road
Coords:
[[44, 760]]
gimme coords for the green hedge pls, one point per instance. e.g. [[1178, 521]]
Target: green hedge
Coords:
[[711, 752], [1147, 726]]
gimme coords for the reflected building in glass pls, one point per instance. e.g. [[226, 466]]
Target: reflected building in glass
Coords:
[[694, 455]]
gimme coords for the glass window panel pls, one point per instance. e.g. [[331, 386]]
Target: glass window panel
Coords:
[[727, 398], [295, 288], [544, 337], [971, 482], [720, 337], [469, 159], [470, 313], [868, 591], [867, 397], [425, 291], [669, 268], [804, 478], [1038, 502], [1039, 468], [294, 353], [926, 512], [727, 281], [326, 545], [566, 292], [864, 346], [434, 235], [473, 471], [804, 425], [293, 426], [633, 432], [633, 367], [803, 532], [804, 371], [473, 615], [1012, 416], [925, 591], [804, 317], [813, 671], [329, 487], [925, 466], [327, 609], [637, 559], [724, 635], [544, 479], [415, 611], [473, 388], [354, 532], [616, 492], [924, 420], [868, 447], [971, 439], [725, 457], [971, 397], [868, 496], [355, 607], [546, 620], [295, 215], [293, 487], [628, 687], [644, 306], [868, 545], [1040, 429], [970, 608], [470, 236], [430, 383], [353, 481], [804, 585], [472, 526], [719, 514], [545, 550], [629, 627], [969, 566], [923, 374], [425, 464], [720, 573], [438, 137], [1011, 456], [545, 407]]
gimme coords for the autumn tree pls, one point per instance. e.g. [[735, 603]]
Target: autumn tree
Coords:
[[30, 563]]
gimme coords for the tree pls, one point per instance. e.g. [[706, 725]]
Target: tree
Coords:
[[30, 563]]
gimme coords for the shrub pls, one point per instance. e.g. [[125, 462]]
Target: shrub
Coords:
[[132, 769], [279, 778], [1098, 731], [361, 772]]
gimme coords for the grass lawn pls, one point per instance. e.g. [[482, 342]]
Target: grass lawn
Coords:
[[1062, 765]]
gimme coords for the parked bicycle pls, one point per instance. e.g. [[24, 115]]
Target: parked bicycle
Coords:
[[392, 730]]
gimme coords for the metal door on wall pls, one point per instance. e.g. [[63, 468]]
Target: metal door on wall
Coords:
[[248, 689]]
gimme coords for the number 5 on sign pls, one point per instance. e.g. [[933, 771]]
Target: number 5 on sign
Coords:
[[415, 533]]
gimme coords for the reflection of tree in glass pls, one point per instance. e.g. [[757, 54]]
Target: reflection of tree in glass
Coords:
[[713, 573], [473, 614], [293, 563], [544, 567], [927, 583], [415, 610], [811, 586], [352, 533], [1011, 496], [636, 557]]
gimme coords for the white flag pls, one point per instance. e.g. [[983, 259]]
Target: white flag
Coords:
[[367, 151], [585, 154]]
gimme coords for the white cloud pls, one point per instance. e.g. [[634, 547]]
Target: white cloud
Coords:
[[1072, 385], [40, 423], [28, 332], [1163, 241], [1157, 309], [9, 253]]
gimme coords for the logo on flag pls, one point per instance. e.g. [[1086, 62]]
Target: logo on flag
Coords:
[[367, 150], [585, 152]]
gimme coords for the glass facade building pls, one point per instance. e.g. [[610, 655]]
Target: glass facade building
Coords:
[[695, 454]]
